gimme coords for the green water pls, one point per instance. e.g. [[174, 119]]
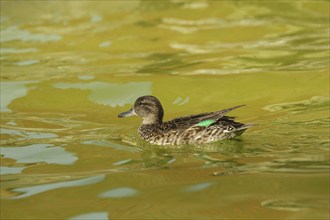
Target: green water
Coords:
[[68, 68]]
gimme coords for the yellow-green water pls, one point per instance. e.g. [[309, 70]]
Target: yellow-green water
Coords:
[[69, 67]]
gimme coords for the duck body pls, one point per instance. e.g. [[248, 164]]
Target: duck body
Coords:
[[192, 129]]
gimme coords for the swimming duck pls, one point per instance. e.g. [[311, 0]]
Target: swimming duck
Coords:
[[192, 129]]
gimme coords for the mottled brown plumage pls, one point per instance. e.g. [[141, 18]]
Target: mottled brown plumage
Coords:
[[200, 128]]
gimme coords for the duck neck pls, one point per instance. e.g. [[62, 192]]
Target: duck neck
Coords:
[[152, 120]]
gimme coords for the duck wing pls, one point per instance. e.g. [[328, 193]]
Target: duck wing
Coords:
[[203, 119]]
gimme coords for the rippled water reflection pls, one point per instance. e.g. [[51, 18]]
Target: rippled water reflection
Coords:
[[68, 69]]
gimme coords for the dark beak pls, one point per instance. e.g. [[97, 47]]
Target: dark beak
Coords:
[[127, 114]]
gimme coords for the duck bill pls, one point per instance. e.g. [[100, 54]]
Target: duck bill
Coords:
[[128, 113]]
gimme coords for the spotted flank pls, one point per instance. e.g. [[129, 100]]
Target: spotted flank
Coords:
[[199, 128]]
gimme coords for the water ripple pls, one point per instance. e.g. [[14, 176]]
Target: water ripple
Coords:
[[33, 190]]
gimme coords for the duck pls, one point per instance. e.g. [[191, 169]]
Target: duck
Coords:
[[192, 129]]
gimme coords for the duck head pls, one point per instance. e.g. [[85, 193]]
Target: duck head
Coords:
[[147, 107]]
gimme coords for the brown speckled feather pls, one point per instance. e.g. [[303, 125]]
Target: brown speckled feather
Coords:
[[190, 120]]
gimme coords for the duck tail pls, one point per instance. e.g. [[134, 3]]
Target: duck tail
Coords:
[[245, 126], [240, 130]]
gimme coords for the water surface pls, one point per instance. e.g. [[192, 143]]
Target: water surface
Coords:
[[69, 68]]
